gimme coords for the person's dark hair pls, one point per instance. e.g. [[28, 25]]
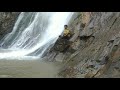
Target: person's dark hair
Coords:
[[66, 25]]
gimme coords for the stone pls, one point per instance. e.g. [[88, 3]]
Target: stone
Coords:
[[59, 57]]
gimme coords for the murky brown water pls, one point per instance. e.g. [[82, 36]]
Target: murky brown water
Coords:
[[27, 69]]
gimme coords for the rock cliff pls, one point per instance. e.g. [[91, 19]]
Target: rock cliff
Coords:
[[97, 46]]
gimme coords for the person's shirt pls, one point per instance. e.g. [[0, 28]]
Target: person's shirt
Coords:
[[66, 32]]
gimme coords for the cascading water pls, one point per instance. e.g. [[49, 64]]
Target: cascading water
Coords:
[[33, 33]]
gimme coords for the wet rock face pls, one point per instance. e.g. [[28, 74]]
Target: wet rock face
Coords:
[[7, 21], [99, 43]]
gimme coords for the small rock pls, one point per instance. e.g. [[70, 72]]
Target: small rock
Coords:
[[59, 57]]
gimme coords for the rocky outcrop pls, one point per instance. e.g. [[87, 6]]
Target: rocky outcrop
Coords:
[[7, 21], [97, 45]]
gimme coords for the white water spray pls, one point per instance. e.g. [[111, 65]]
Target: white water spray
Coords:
[[33, 33]]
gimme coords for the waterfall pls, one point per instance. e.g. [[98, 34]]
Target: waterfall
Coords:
[[33, 33]]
